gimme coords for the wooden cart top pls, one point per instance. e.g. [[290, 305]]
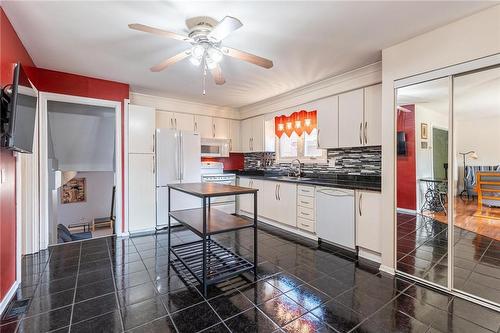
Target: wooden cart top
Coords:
[[205, 190]]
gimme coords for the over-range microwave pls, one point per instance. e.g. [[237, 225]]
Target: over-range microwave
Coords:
[[214, 147]]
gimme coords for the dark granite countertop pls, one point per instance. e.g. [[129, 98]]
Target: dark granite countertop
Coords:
[[353, 182]]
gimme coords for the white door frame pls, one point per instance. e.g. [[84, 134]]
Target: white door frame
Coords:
[[43, 157]]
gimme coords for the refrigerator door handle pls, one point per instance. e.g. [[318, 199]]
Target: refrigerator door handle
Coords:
[[177, 157], [182, 156]]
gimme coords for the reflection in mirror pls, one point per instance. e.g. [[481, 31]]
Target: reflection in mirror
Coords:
[[422, 185], [477, 177]]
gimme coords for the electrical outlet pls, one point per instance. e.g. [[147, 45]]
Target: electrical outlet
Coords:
[[332, 162]]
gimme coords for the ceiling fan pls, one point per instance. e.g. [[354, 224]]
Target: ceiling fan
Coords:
[[205, 36]]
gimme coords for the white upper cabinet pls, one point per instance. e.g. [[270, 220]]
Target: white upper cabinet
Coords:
[[258, 133], [204, 126], [234, 136], [372, 134], [221, 128], [141, 129], [183, 122], [246, 135], [328, 122], [368, 220], [164, 119], [351, 107]]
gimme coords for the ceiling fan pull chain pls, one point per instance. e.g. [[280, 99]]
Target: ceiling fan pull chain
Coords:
[[204, 84]]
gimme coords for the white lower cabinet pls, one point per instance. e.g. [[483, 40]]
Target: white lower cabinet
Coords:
[[279, 200], [246, 200], [141, 192], [368, 220]]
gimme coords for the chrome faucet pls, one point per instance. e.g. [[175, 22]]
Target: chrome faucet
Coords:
[[295, 172]]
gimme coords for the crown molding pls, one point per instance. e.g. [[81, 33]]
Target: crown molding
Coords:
[[183, 106], [355, 79]]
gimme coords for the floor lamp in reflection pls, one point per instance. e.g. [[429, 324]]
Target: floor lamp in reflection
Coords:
[[465, 191]]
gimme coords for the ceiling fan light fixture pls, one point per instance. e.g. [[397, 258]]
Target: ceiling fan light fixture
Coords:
[[198, 51], [215, 54], [195, 61]]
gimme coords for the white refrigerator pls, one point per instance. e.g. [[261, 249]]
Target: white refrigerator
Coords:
[[178, 160]]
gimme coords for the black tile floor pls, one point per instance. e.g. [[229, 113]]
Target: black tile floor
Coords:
[[115, 285], [422, 246]]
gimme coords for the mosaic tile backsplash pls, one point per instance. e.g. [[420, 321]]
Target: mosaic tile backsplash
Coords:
[[342, 161]]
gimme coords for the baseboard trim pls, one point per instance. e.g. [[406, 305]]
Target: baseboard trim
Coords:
[[8, 297], [387, 269]]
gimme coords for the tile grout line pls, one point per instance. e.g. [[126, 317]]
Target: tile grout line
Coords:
[[114, 287], [157, 294], [76, 285]]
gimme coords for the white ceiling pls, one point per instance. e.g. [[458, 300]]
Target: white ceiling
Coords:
[[307, 40]]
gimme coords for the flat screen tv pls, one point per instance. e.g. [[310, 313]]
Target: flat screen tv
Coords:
[[19, 101], [401, 137]]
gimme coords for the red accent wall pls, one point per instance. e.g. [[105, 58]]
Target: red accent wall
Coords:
[[406, 165], [11, 51], [235, 161]]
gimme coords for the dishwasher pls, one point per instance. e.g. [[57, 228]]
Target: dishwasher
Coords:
[[335, 217]]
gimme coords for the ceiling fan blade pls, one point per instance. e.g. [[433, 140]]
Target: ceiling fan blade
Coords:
[[159, 32], [248, 57], [170, 61], [217, 75], [224, 28]]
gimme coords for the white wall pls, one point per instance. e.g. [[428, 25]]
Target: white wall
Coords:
[[98, 204], [83, 142], [470, 38]]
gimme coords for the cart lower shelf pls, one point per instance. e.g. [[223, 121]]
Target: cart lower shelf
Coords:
[[222, 263]]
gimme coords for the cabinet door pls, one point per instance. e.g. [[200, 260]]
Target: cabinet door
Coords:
[[269, 203], [164, 119], [184, 122], [287, 204], [269, 135], [221, 128], [328, 122], [244, 200], [372, 134], [141, 192], [246, 135], [368, 220], [234, 136], [258, 134], [141, 129], [203, 125], [351, 119]]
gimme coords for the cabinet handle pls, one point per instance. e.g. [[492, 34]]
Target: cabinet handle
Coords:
[[154, 165], [361, 133], [230, 145], [213, 130], [366, 134], [195, 126], [303, 213], [171, 122], [276, 191], [175, 121], [304, 225], [279, 192], [304, 202], [317, 140], [154, 143], [359, 204]]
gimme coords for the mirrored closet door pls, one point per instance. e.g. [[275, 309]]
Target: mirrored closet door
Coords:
[[422, 180], [476, 176], [448, 182]]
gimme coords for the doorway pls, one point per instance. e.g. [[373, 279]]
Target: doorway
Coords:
[[440, 153], [80, 168]]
